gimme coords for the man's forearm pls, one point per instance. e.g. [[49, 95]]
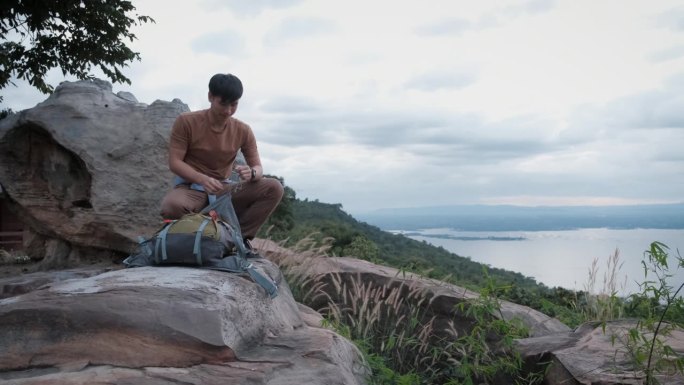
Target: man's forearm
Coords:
[[186, 172]]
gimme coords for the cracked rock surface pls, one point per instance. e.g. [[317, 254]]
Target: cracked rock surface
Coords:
[[165, 326]]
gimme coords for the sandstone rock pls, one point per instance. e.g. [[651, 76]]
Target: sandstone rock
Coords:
[[593, 354], [87, 166], [166, 326], [25, 283]]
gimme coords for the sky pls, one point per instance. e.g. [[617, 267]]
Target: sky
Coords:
[[385, 104]]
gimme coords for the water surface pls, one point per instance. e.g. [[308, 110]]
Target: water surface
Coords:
[[559, 258]]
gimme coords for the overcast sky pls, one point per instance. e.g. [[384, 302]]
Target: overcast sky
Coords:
[[380, 104]]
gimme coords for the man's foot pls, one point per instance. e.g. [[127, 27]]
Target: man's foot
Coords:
[[251, 251]]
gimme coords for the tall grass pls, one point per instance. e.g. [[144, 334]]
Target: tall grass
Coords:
[[393, 323], [603, 303]]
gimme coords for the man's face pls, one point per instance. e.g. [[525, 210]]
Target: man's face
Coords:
[[223, 109]]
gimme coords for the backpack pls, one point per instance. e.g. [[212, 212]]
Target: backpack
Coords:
[[203, 239], [194, 239]]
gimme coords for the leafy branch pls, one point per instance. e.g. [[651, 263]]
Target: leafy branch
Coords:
[[73, 35]]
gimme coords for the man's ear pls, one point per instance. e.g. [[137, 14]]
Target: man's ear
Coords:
[[209, 96]]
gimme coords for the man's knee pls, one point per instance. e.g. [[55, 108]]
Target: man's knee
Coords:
[[275, 189], [172, 208], [179, 202]]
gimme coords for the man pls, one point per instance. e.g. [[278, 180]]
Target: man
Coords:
[[202, 153]]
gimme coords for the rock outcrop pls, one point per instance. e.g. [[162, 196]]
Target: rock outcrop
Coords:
[[600, 354], [165, 326], [86, 169]]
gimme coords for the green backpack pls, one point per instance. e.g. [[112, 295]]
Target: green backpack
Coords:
[[193, 239], [204, 240]]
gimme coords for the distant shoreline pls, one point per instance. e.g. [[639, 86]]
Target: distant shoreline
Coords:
[[456, 237]]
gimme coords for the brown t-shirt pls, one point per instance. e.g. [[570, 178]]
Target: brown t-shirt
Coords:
[[212, 150]]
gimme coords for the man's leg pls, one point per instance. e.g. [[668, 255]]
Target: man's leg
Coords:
[[254, 202], [182, 200]]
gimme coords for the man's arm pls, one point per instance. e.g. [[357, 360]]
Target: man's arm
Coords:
[[185, 171], [251, 153]]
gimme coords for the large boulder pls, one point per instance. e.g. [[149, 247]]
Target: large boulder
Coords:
[[166, 326], [598, 353], [86, 169]]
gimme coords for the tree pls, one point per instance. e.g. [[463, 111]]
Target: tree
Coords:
[[281, 220], [363, 248], [74, 35], [5, 113]]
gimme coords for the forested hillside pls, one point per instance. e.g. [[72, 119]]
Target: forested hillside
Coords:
[[350, 237]]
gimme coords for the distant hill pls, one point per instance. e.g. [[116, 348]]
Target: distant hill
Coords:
[[521, 218]]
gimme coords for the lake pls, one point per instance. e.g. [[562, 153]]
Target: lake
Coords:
[[559, 258]]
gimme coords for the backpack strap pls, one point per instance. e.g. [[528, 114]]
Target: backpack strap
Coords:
[[224, 206], [197, 248], [268, 285], [161, 243]]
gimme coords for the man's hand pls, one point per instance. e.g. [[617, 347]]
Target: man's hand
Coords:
[[211, 185], [244, 171]]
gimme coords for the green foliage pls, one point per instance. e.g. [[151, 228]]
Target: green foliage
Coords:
[[380, 373], [481, 357], [281, 221], [73, 35], [661, 306], [363, 248]]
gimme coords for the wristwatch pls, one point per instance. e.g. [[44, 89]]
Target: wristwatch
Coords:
[[253, 174]]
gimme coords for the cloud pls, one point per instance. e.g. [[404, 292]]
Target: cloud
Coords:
[[226, 42], [251, 7], [673, 19], [454, 26], [291, 105], [652, 109], [440, 138], [530, 7], [671, 53], [450, 26], [439, 80], [298, 28]]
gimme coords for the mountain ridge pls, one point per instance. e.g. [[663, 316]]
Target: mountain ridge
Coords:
[[528, 218]]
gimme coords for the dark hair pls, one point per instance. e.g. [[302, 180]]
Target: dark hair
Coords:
[[227, 86]]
